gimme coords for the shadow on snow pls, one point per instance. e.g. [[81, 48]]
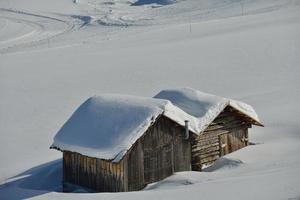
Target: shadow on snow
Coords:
[[36, 181], [158, 2]]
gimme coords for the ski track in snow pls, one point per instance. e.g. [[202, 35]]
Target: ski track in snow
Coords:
[[113, 17], [35, 29], [39, 34]]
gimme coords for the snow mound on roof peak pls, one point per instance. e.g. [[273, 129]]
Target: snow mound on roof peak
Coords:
[[205, 107], [188, 99]]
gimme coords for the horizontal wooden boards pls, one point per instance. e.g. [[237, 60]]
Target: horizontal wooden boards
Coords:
[[207, 148]]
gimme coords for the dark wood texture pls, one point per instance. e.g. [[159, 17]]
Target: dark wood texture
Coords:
[[96, 174], [227, 133], [160, 152]]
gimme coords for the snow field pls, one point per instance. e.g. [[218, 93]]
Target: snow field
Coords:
[[251, 56]]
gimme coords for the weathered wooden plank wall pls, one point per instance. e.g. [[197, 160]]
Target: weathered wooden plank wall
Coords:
[[237, 139], [157, 147], [93, 173], [160, 152], [135, 168], [227, 133], [182, 150]]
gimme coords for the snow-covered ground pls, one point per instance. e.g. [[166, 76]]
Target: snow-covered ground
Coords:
[[55, 54]]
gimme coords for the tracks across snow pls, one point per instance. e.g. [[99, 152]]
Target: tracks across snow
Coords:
[[22, 30], [18, 29]]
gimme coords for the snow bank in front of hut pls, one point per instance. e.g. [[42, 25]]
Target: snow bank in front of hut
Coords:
[[224, 163], [205, 107], [106, 126]]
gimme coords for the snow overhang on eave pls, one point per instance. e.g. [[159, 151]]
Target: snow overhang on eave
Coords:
[[248, 117]]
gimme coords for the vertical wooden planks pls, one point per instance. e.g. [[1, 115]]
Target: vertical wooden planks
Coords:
[[164, 151], [96, 174], [159, 153]]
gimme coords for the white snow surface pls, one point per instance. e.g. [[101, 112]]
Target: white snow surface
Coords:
[[55, 54], [107, 126], [205, 107]]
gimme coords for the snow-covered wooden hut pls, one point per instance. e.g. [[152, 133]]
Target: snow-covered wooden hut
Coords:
[[222, 123], [116, 143]]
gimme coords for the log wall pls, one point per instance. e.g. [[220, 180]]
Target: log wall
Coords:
[[227, 133]]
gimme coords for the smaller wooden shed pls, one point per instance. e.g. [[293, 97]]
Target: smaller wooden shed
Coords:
[[223, 123]]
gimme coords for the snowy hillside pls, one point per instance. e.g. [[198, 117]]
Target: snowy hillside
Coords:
[[55, 54]]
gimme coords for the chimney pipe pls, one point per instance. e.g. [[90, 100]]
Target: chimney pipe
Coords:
[[187, 133]]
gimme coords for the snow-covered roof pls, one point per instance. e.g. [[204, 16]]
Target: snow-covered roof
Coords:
[[107, 126], [205, 107]]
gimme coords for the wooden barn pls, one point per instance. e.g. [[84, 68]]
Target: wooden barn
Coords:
[[224, 123], [115, 143], [122, 143]]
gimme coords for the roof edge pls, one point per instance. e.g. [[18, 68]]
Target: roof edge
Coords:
[[256, 120]]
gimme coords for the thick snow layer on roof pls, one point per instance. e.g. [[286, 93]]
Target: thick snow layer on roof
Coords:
[[244, 108], [106, 126], [205, 107]]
